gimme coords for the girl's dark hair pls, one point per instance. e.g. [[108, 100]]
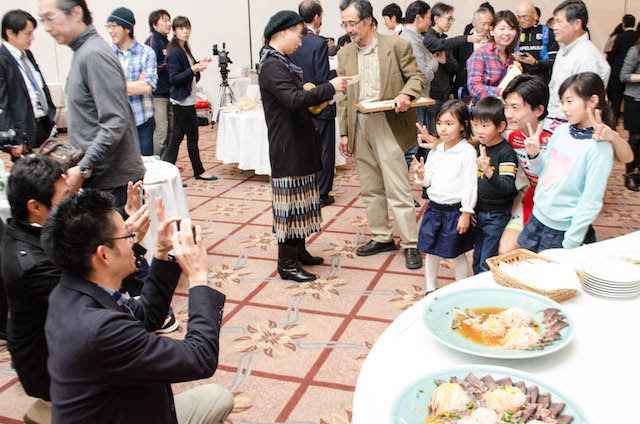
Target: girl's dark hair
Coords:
[[460, 111], [617, 30], [585, 85], [512, 21], [180, 22]]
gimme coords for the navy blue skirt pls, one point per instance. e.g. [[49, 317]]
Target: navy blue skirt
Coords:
[[438, 232]]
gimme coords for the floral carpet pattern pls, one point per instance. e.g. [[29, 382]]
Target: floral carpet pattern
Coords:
[[291, 353]]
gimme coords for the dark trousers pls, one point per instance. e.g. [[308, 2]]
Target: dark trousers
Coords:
[[120, 194], [145, 136], [538, 237], [327, 129], [432, 112], [486, 237], [185, 122], [634, 142], [614, 92], [45, 125]]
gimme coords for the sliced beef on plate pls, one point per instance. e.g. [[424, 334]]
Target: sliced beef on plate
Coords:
[[544, 400], [532, 393], [556, 408], [520, 385], [489, 381], [528, 412], [564, 419]]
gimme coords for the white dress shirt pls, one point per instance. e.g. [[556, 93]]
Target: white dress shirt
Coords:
[[38, 111], [452, 176]]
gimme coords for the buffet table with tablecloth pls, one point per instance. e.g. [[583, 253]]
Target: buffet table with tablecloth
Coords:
[[599, 369], [242, 139]]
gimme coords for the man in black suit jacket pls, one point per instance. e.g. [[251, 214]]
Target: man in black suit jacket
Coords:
[[313, 57], [105, 366], [24, 97], [623, 42]]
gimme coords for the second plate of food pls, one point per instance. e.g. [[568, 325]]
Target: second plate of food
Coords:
[[499, 322]]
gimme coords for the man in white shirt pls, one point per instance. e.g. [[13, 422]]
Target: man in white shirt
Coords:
[[25, 102], [577, 54]]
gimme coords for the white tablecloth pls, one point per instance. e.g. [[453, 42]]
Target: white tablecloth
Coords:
[[162, 179], [242, 139], [599, 369]]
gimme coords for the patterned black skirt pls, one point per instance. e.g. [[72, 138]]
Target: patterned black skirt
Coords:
[[296, 207]]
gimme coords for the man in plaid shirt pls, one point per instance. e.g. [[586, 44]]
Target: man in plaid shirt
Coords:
[[139, 65]]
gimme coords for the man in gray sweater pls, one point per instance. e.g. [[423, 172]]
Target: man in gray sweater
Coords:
[[101, 121]]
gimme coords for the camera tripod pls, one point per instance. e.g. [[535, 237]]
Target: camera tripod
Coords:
[[225, 97]]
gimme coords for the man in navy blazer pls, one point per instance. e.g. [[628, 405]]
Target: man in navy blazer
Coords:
[[25, 101], [105, 366], [313, 57]]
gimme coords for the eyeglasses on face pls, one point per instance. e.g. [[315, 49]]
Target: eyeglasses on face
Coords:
[[346, 25], [110, 26], [130, 236], [48, 20]]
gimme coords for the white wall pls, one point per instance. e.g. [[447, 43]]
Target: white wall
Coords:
[[215, 21]]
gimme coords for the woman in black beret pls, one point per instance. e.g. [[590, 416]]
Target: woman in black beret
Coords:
[[295, 147]]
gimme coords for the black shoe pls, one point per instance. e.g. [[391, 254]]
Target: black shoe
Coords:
[[375, 247], [304, 257], [424, 194], [326, 201], [211, 178], [412, 258], [288, 266], [630, 182], [170, 325]]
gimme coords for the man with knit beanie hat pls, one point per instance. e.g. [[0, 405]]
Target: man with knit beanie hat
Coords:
[[138, 62]]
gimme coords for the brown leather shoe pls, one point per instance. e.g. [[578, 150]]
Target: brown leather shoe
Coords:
[[631, 182]]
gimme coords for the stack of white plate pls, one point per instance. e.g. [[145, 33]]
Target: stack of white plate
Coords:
[[611, 277]]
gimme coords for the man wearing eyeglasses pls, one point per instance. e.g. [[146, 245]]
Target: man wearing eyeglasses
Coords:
[[101, 121], [25, 101], [388, 70], [105, 365]]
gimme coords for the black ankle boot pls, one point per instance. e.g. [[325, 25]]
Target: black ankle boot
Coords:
[[288, 266], [631, 182], [304, 257]]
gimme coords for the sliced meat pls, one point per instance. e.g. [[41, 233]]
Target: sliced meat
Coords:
[[532, 392], [544, 400], [520, 385], [473, 380], [564, 419], [556, 408], [456, 380], [489, 381], [550, 421], [528, 412], [548, 314], [557, 326], [505, 382]]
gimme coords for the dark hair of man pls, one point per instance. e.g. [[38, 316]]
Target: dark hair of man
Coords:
[[617, 30], [511, 20], [585, 85], [308, 9], [363, 7], [392, 10], [67, 5], [488, 6], [532, 89], [76, 227], [489, 109], [629, 21], [439, 9], [155, 16], [414, 9], [460, 112], [574, 9], [180, 22], [16, 20], [32, 178], [538, 11]]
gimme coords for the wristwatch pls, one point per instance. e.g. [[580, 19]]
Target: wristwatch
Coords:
[[86, 173]]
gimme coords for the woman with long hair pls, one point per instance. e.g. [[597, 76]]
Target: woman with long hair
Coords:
[[295, 146], [630, 75], [184, 73], [489, 64]]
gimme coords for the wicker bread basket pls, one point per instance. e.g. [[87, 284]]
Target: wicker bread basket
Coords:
[[520, 255]]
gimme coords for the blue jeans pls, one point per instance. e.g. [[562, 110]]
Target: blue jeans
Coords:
[[145, 135], [486, 237], [538, 237]]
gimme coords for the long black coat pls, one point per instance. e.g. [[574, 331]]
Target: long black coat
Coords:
[[295, 146], [29, 278]]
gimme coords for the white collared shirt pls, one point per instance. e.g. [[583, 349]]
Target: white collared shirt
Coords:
[[452, 176], [38, 111], [579, 56]]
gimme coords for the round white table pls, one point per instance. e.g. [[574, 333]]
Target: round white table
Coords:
[[599, 369], [243, 139]]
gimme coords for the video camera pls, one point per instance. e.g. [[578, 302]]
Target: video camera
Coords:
[[223, 60], [11, 138]]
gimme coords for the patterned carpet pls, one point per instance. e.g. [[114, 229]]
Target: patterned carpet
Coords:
[[292, 352]]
